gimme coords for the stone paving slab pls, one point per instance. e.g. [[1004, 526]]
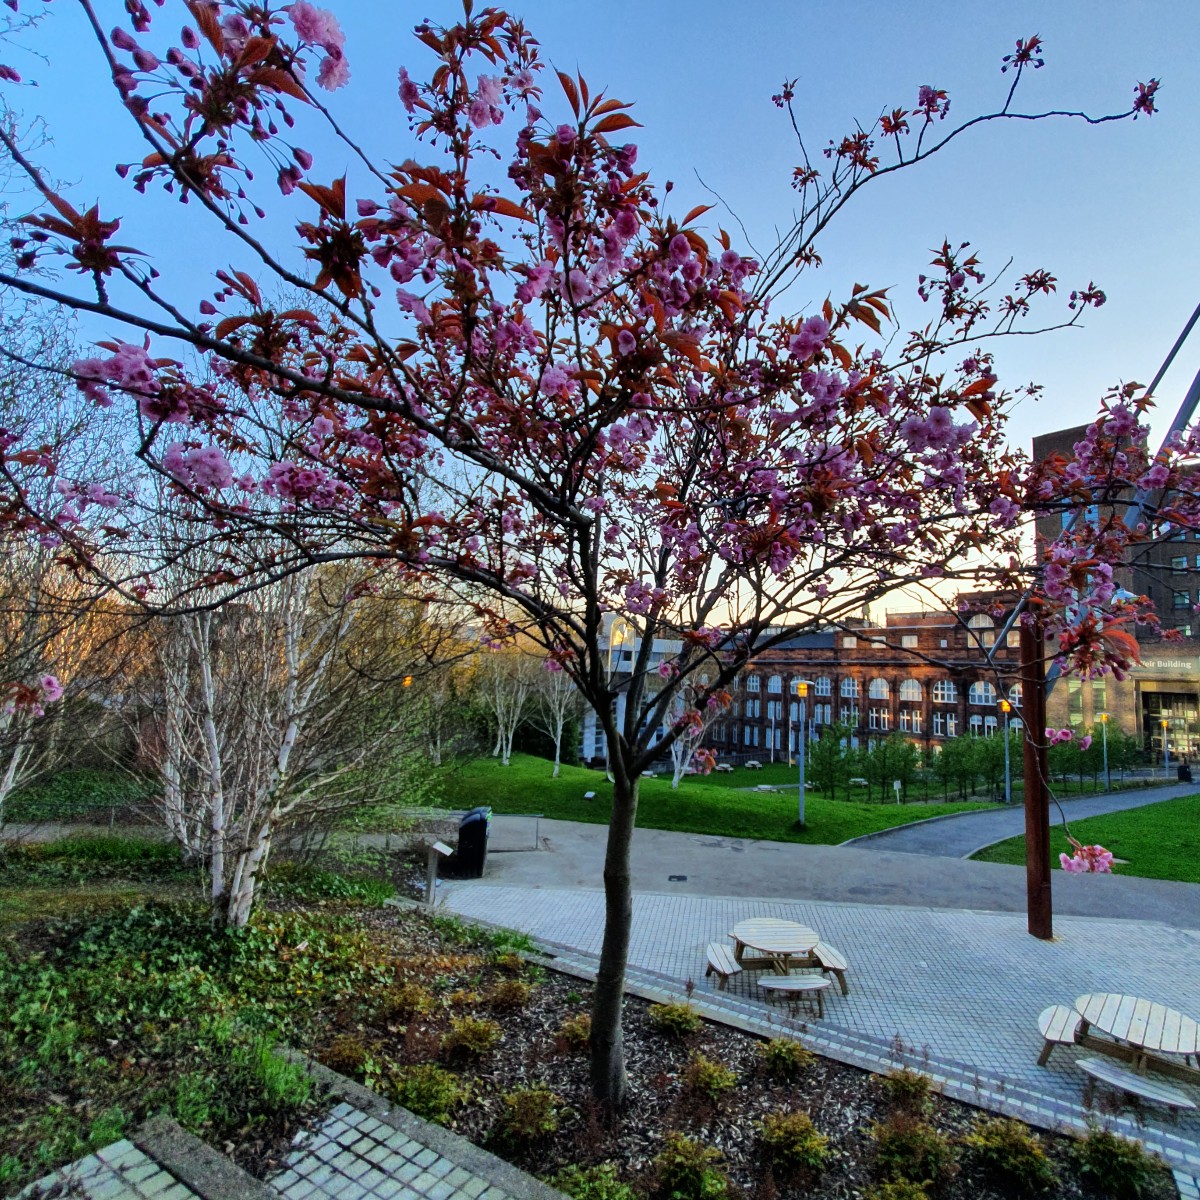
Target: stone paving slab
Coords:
[[118, 1172], [952, 986]]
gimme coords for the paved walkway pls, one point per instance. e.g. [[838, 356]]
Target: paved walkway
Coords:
[[950, 985], [960, 835], [691, 864]]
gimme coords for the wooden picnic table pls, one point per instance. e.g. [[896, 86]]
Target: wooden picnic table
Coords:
[[1143, 1031], [781, 945]]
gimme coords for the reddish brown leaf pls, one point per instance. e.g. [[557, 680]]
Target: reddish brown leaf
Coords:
[[229, 325], [278, 80], [482, 202], [568, 86], [613, 123], [696, 213]]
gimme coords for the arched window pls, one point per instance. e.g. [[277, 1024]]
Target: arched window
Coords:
[[911, 689], [981, 693], [879, 689], [753, 683], [822, 686], [945, 692], [775, 684], [1014, 695], [850, 690]]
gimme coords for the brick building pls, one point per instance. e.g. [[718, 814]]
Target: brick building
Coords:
[[923, 675], [1166, 684]]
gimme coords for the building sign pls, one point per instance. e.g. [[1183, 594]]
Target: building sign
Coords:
[[1169, 666]]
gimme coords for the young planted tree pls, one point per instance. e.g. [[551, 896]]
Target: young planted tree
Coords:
[[556, 706], [507, 681], [515, 367]]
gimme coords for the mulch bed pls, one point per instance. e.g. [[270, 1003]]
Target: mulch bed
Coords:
[[844, 1103]]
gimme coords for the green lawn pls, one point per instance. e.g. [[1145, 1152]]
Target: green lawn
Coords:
[[1158, 841], [714, 804]]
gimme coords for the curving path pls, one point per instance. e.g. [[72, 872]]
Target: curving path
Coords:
[[960, 835]]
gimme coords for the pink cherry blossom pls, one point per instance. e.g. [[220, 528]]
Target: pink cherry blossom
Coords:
[[316, 26], [409, 93], [52, 690]]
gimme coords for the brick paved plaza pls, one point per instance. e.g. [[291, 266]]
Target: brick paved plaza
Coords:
[[960, 988]]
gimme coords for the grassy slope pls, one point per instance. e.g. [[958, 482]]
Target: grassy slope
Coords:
[[1158, 840], [711, 804]]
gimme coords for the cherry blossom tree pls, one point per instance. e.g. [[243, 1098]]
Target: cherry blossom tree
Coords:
[[516, 368]]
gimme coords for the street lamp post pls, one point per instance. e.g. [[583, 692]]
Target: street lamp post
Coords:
[[802, 686], [1006, 708], [1166, 748], [1104, 736]]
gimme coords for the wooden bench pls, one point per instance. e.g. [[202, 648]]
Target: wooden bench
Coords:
[[1060, 1027], [1120, 1078], [832, 962], [797, 988], [722, 964]]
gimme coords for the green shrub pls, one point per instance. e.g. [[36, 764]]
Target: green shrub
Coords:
[[589, 1183], [529, 1113], [674, 1018], [783, 1058], [471, 1037], [908, 1091], [313, 883], [346, 1054], [707, 1079], [426, 1089], [911, 1149], [510, 961], [1116, 1166], [510, 993], [404, 1001], [575, 1034], [896, 1189], [687, 1170], [1009, 1152], [792, 1141]]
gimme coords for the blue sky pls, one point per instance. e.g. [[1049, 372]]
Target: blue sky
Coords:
[[1116, 204]]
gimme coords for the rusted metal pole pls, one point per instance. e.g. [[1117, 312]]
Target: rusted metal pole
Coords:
[[1037, 798]]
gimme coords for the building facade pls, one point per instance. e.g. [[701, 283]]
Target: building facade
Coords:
[[923, 675]]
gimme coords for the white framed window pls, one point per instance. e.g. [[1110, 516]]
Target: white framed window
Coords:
[[775, 684], [981, 692], [850, 688], [879, 718], [753, 708], [778, 735], [746, 734], [909, 641], [879, 689], [753, 683], [952, 725], [849, 714], [976, 725], [1013, 640], [822, 714], [911, 721], [1014, 694], [911, 689], [989, 726], [775, 710], [945, 691], [939, 724], [822, 686], [984, 629], [849, 641], [794, 710]]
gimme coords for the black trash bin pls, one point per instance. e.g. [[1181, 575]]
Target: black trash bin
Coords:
[[473, 832], [1184, 771]]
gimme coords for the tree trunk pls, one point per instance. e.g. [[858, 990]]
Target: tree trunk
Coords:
[[609, 1082]]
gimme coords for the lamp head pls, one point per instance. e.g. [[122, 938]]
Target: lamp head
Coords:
[[1005, 707], [1103, 718], [802, 686]]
